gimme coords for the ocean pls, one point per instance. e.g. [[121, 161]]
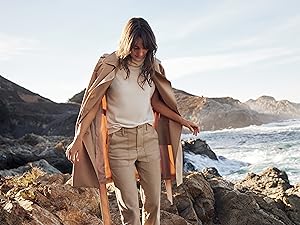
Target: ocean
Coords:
[[252, 149]]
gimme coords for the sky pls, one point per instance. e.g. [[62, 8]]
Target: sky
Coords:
[[230, 48]]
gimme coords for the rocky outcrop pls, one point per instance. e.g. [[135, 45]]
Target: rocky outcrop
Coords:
[[42, 164], [193, 200], [198, 147], [252, 201], [22, 112], [274, 194], [37, 197], [77, 98], [219, 113], [269, 105], [195, 147], [31, 148]]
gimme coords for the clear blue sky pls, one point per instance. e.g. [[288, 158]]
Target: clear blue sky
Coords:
[[241, 49]]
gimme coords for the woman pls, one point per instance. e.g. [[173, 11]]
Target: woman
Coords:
[[129, 127]]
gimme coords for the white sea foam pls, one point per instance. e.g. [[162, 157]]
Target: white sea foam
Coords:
[[224, 166], [253, 149]]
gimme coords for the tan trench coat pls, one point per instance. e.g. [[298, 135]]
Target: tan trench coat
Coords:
[[93, 165]]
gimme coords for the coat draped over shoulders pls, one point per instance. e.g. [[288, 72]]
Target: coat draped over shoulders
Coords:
[[91, 128]]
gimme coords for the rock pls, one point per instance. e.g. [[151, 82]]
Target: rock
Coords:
[[269, 105], [188, 166], [31, 139], [42, 164], [39, 198], [195, 147], [77, 98], [31, 148], [22, 112], [167, 218], [291, 201], [271, 207], [194, 199], [273, 186], [272, 182], [211, 171], [219, 113], [234, 207], [14, 155], [252, 201], [200, 147]]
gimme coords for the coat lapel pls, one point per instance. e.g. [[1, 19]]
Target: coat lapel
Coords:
[[101, 78]]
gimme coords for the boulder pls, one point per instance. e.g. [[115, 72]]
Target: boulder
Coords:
[[42, 164], [234, 207], [31, 148], [194, 200], [291, 201], [39, 198], [198, 147], [274, 193], [272, 182]]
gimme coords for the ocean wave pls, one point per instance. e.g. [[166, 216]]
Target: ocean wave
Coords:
[[252, 149], [223, 165]]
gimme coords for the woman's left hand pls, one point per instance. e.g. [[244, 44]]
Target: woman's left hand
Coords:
[[192, 126]]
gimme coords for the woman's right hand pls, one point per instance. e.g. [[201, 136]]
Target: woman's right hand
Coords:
[[72, 150]]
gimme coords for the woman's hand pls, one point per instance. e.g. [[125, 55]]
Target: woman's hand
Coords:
[[72, 150], [191, 126], [163, 109]]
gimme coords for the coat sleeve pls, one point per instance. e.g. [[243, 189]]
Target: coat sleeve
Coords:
[[170, 97], [96, 71]]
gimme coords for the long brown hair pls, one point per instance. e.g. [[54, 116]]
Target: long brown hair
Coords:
[[134, 29]]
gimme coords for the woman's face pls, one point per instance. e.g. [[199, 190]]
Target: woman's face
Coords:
[[138, 52]]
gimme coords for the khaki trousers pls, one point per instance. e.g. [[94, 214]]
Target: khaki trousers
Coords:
[[131, 150]]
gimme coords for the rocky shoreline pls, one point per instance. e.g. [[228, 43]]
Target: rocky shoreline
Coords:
[[34, 189], [39, 197]]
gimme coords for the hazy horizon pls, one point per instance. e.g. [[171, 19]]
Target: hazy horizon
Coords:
[[227, 48]]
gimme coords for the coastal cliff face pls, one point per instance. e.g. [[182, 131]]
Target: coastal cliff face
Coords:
[[221, 113], [268, 105], [22, 112]]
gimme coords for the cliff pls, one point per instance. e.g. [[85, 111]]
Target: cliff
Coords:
[[22, 112], [269, 105], [219, 113]]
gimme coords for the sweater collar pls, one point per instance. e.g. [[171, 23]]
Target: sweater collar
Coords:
[[135, 63], [112, 60]]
